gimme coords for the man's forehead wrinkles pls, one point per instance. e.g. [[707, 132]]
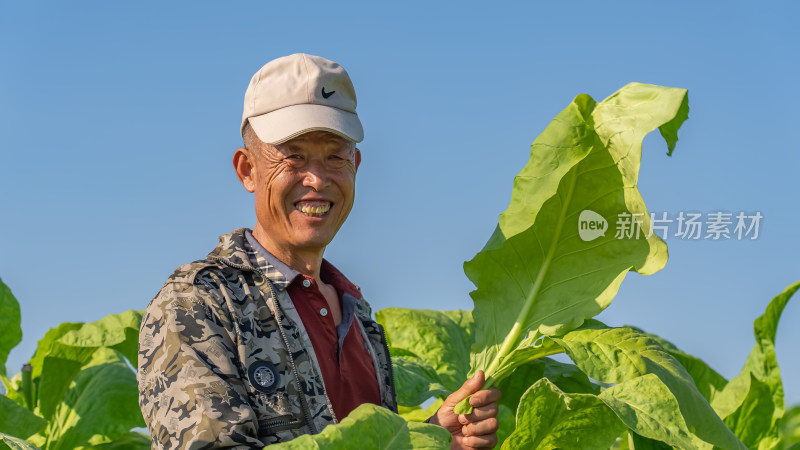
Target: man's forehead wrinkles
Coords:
[[270, 150]]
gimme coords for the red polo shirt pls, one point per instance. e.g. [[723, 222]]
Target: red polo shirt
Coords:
[[345, 361], [346, 364]]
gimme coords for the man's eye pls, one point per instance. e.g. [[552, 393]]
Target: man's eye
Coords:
[[336, 162], [295, 157]]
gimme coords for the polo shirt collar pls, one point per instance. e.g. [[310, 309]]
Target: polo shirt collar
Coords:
[[273, 268], [282, 275]]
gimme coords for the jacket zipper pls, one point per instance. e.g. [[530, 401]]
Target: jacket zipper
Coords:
[[306, 411], [278, 424], [291, 360]]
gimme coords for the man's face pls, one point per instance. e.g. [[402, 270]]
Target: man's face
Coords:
[[304, 189]]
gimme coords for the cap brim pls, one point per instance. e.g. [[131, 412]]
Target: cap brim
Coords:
[[283, 124]]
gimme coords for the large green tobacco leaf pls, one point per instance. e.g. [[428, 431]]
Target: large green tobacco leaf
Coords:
[[9, 323], [430, 351], [707, 380], [117, 331], [415, 380], [60, 367], [506, 423], [752, 403], [536, 275], [18, 420], [648, 408], [100, 406], [614, 355], [567, 377], [790, 428], [65, 349], [370, 426], [15, 443], [754, 422], [554, 419]]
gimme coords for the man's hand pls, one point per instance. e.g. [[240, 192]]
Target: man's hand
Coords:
[[476, 430]]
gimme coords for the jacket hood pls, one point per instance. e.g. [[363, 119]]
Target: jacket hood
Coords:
[[232, 251]]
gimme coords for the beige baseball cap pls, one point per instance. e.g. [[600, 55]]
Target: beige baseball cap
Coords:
[[299, 93]]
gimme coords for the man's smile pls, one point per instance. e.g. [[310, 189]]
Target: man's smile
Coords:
[[313, 208]]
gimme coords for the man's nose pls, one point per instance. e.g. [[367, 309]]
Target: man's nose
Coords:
[[316, 175]]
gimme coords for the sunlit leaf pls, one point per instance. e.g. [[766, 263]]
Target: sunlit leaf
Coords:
[[430, 351], [372, 427], [752, 403], [9, 323], [541, 272], [617, 355], [549, 418], [18, 420], [65, 349], [99, 407]]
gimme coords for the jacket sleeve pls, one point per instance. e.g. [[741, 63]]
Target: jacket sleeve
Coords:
[[191, 390]]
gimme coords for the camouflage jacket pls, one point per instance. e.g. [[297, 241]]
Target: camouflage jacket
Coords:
[[225, 362]]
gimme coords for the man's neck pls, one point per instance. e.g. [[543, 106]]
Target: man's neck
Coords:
[[305, 260]]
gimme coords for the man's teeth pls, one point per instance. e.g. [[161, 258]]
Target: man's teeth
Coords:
[[313, 210]]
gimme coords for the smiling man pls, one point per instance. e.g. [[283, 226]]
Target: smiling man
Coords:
[[265, 340]]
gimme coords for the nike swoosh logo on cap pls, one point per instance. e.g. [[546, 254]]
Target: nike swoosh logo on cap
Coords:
[[327, 94]]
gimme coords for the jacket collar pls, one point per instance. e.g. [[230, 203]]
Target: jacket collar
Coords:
[[232, 250], [235, 250]]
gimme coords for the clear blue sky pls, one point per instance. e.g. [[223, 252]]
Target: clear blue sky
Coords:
[[118, 123]]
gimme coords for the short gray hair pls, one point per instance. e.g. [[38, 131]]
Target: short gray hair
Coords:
[[251, 141]]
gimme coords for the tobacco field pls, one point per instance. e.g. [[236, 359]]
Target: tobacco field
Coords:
[[538, 287]]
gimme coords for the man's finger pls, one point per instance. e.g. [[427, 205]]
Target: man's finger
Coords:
[[484, 397], [488, 441], [488, 426], [469, 387], [481, 413]]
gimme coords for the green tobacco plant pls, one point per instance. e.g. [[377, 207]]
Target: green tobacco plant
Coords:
[[539, 283], [752, 403], [643, 393], [9, 323], [555, 419], [790, 429], [652, 393], [373, 427], [536, 276], [80, 391], [430, 351]]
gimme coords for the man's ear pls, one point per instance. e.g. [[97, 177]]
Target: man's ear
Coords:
[[358, 158], [244, 166]]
